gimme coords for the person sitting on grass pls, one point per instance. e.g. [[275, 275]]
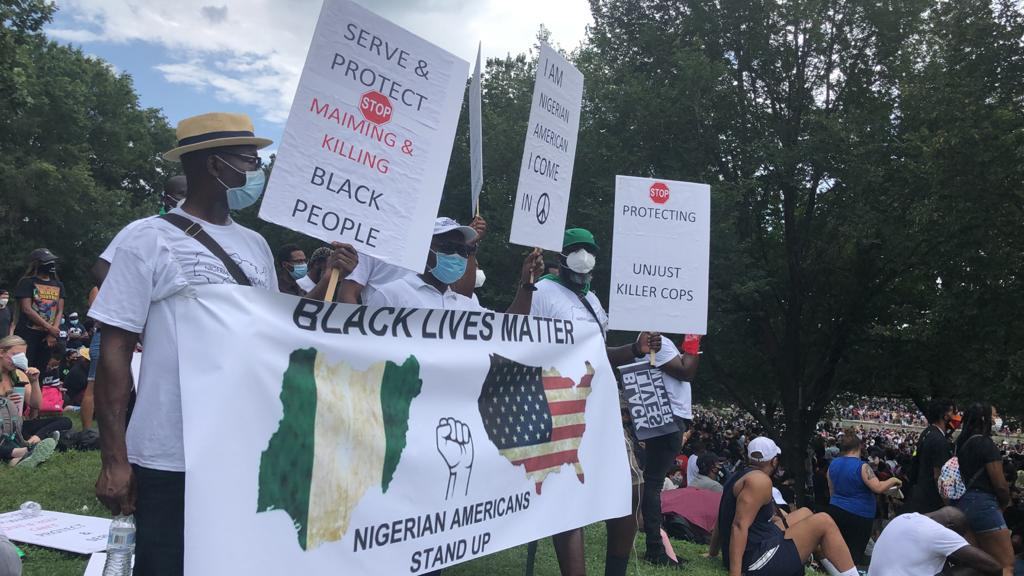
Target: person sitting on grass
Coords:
[[19, 382], [915, 544], [756, 540]]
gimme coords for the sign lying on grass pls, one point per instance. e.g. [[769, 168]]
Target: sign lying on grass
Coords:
[[542, 198], [365, 151], [388, 441], [68, 532], [660, 251]]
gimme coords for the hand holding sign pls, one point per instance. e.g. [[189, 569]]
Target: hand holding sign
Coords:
[[533, 266], [479, 225], [344, 258]]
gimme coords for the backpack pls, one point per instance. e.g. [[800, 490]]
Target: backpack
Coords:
[[951, 483], [10, 420]]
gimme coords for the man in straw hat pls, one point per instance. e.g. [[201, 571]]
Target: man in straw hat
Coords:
[[143, 469]]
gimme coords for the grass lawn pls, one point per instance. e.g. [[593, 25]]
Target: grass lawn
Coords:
[[65, 484]]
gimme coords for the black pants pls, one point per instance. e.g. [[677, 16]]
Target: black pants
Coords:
[[159, 522], [856, 531], [43, 427], [36, 349], [659, 454]]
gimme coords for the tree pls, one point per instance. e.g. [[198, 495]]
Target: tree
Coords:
[[79, 157]]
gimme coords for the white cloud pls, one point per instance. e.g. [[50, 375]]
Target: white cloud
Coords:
[[252, 51]]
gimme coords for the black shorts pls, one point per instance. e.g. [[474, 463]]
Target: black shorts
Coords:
[[780, 559]]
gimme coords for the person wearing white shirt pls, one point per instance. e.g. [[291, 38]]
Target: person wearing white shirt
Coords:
[[143, 470], [446, 265], [567, 296], [371, 273], [922, 544]]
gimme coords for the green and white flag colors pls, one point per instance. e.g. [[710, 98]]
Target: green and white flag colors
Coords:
[[384, 441]]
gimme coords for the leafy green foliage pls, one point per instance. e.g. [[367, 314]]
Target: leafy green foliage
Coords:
[[78, 155]]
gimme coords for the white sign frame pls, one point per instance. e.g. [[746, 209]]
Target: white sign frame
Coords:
[[660, 256], [376, 184], [549, 155]]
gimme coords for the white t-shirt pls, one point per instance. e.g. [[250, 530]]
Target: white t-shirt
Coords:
[[372, 273], [913, 545], [411, 291], [552, 300], [678, 390], [306, 283], [152, 268], [108, 253]]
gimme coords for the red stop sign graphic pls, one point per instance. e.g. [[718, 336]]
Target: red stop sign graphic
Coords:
[[375, 107], [659, 193]]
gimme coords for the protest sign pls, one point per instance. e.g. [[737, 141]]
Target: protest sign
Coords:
[[388, 441], [68, 532], [660, 249], [648, 403], [542, 198], [365, 151], [476, 138]]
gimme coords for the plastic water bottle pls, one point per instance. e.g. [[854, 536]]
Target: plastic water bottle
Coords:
[[30, 509], [120, 546]]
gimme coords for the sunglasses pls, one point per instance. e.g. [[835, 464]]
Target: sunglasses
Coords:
[[464, 250], [250, 159]]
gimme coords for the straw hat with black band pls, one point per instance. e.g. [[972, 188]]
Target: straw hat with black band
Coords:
[[214, 130]]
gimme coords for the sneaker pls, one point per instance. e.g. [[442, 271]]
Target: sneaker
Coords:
[[40, 453], [56, 436], [663, 560]]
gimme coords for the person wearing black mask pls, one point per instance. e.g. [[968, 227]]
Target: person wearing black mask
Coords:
[[40, 297]]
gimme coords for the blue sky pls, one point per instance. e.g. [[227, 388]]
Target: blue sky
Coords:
[[193, 56]]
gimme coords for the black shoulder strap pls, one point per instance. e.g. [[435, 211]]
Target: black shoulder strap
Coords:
[[593, 313], [195, 230]]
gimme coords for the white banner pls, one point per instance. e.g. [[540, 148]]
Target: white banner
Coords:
[[59, 530], [365, 151], [476, 138], [660, 250], [542, 198], [331, 437]]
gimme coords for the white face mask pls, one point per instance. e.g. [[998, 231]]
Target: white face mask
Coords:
[[997, 425], [3, 302], [580, 261], [20, 361], [480, 278]]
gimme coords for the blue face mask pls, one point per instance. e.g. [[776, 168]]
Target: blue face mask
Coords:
[[299, 270], [449, 267], [247, 194]]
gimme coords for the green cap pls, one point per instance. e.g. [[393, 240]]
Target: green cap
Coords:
[[578, 236]]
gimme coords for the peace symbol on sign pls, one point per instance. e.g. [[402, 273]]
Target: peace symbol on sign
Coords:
[[543, 207]]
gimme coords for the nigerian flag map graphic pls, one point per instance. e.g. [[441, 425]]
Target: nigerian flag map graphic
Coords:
[[342, 433]]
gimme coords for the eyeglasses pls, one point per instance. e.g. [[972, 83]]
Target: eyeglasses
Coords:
[[250, 159], [456, 248]]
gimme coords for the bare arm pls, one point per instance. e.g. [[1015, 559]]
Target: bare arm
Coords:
[[344, 259], [978, 559], [350, 291], [60, 314], [99, 271], [682, 367], [715, 545], [645, 342], [831, 490], [115, 486], [756, 491], [532, 268], [999, 484], [867, 475]]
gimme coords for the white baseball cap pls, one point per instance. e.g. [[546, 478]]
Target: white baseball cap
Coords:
[[445, 224], [765, 447]]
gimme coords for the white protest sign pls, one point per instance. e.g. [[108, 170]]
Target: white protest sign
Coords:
[[545, 176], [660, 250], [476, 138], [69, 532], [388, 441], [365, 151]]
